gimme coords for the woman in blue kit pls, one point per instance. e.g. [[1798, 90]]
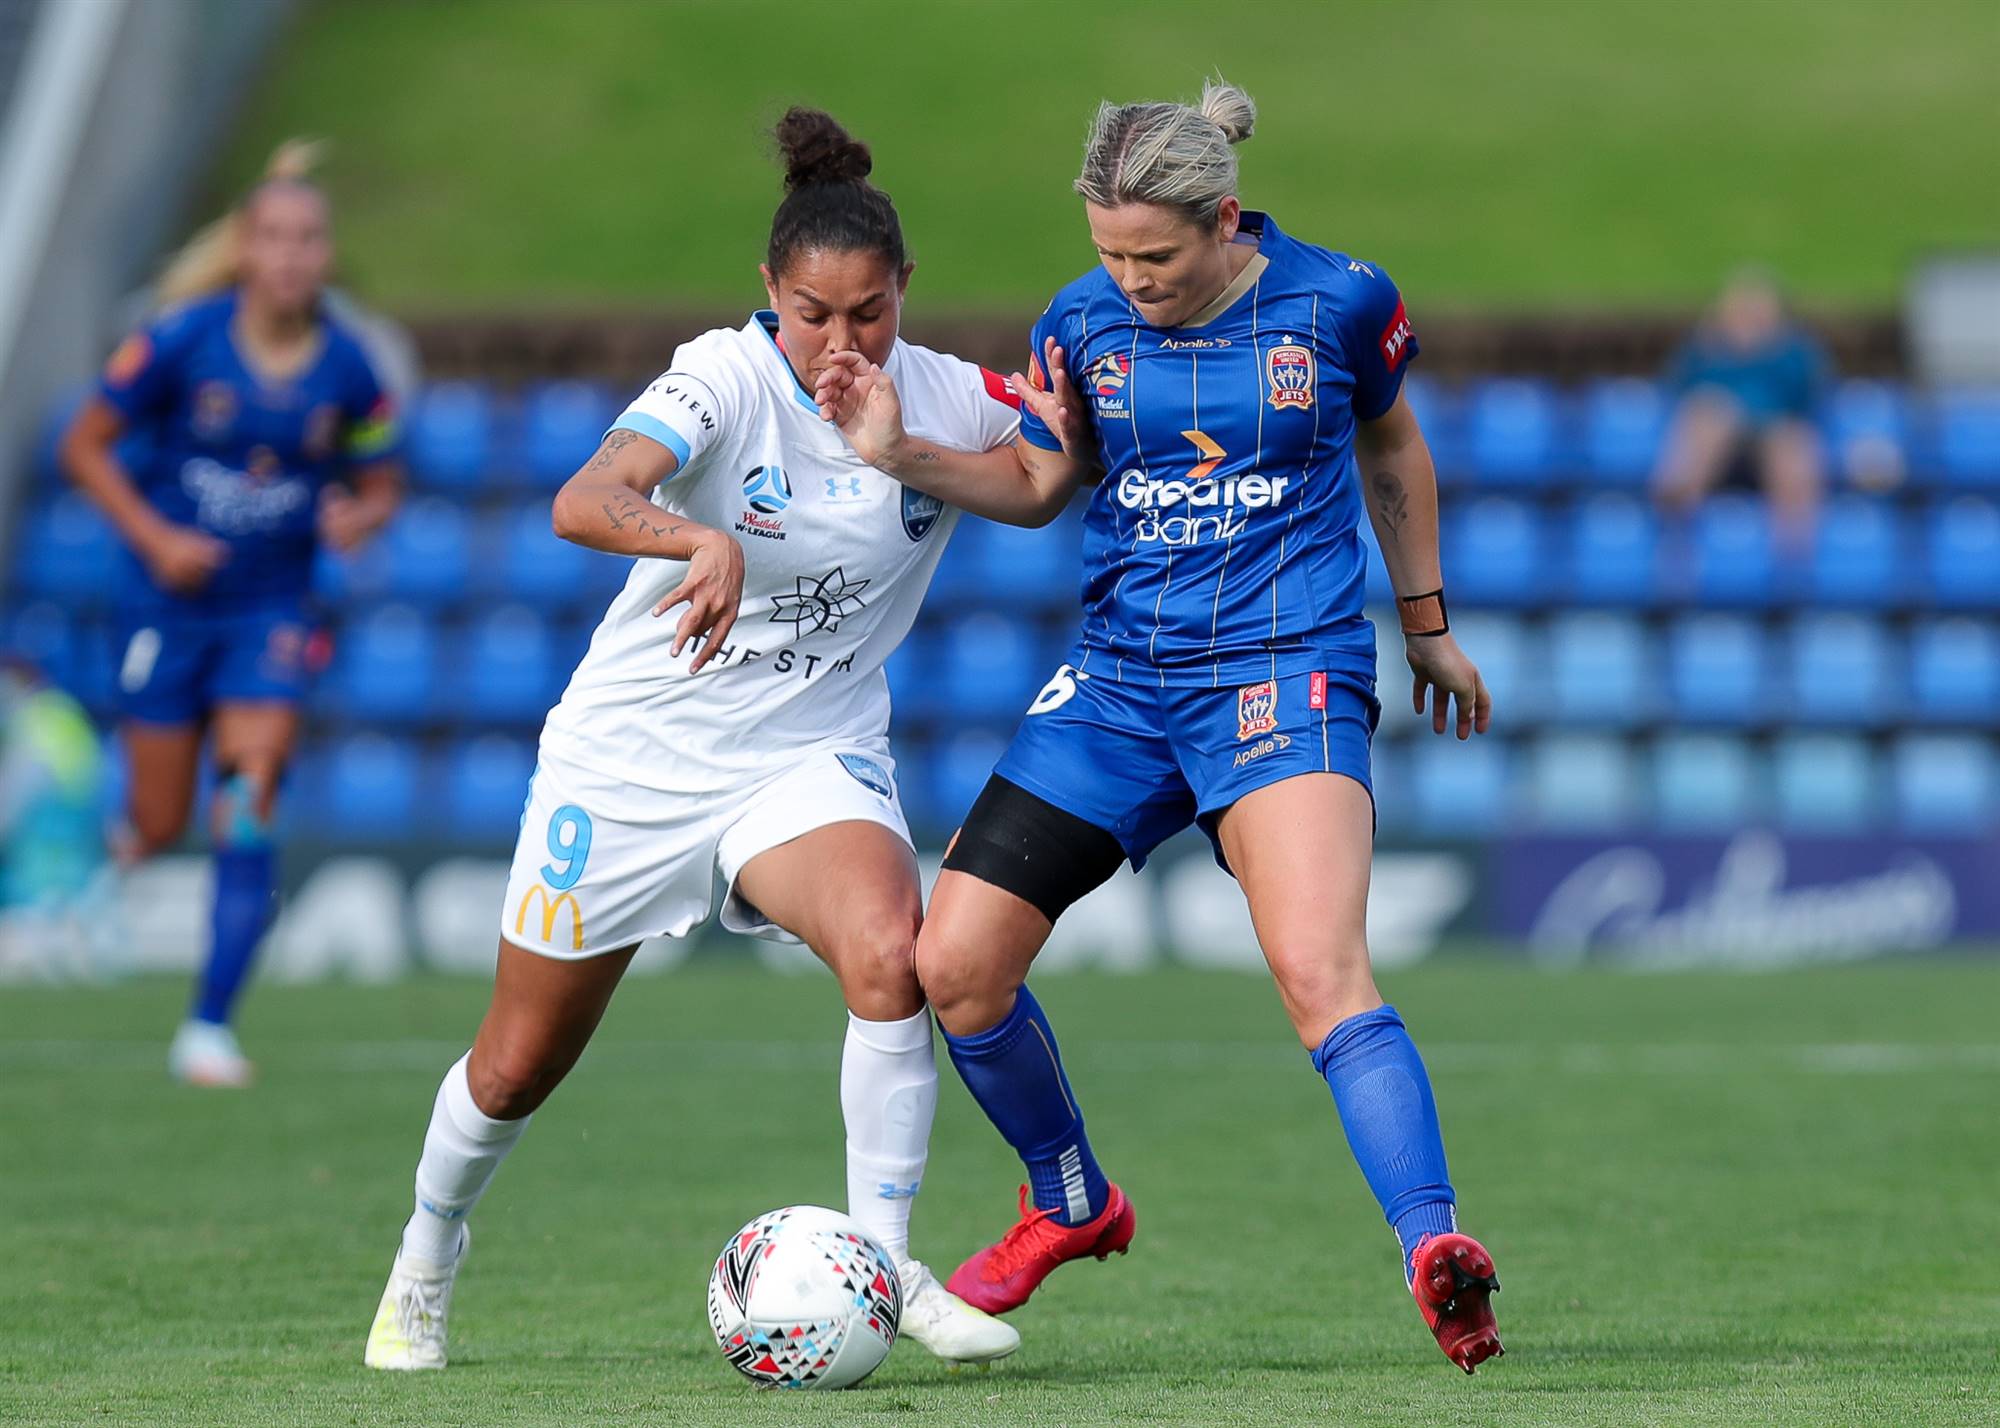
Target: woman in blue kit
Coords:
[[266, 434], [1222, 382]]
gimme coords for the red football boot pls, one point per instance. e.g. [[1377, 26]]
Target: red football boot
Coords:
[[1454, 1286], [1001, 1277]]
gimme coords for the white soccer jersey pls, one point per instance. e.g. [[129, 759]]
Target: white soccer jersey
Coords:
[[837, 556]]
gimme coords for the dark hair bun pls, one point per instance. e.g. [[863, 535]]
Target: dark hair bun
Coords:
[[817, 150]]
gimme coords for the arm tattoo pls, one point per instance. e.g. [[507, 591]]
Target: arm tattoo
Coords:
[[925, 456], [1392, 501], [628, 509], [616, 442]]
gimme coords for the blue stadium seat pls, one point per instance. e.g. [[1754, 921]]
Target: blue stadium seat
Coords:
[[452, 436], [914, 693], [1734, 562], [1706, 783], [1459, 790], [1614, 552], [1962, 554], [1955, 671], [1717, 670], [561, 424], [1581, 781], [1868, 431], [991, 667], [1825, 783], [1624, 423], [535, 566], [1015, 568], [509, 674], [1494, 554], [429, 552], [1600, 670], [485, 787], [370, 791], [48, 436], [1946, 783], [1505, 649], [1440, 413], [384, 668], [1858, 557], [67, 551], [956, 771], [1510, 426], [1841, 672], [1968, 437]]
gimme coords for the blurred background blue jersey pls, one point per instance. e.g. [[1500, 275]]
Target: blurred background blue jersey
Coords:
[[1222, 544], [239, 456]]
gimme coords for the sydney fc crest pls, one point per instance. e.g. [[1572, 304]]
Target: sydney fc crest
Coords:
[[1288, 369], [920, 513]]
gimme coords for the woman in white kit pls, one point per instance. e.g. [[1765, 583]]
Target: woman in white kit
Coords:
[[732, 713]]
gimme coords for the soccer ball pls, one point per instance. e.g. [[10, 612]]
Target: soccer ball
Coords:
[[804, 1298]]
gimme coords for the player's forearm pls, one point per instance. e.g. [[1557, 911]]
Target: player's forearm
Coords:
[[1400, 487], [1000, 484], [378, 494], [95, 470], [610, 516]]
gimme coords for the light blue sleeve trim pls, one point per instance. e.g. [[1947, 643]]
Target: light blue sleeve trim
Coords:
[[658, 430]]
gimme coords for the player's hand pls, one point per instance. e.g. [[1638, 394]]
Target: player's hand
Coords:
[[1448, 677], [859, 397], [344, 521], [712, 589], [183, 559], [1060, 408]]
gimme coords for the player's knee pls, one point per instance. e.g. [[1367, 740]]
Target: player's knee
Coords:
[[510, 1082], [967, 992], [1320, 991], [155, 826], [876, 962]]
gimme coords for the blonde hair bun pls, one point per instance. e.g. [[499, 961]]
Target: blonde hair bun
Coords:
[[1229, 109]]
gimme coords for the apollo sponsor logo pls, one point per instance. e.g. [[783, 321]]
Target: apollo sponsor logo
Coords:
[[1179, 511], [232, 502]]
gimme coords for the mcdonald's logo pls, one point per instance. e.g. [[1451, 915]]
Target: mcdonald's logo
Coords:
[[551, 905]]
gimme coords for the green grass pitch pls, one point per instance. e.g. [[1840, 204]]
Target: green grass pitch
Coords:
[[1714, 1199], [1492, 153]]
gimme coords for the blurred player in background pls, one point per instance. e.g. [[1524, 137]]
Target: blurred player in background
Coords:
[[1224, 675], [1749, 384], [267, 433], [53, 919], [747, 734]]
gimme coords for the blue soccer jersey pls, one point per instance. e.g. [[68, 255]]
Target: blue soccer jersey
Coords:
[[239, 456], [1221, 545]]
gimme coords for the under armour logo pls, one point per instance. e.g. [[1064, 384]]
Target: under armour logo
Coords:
[[842, 487], [890, 1190]]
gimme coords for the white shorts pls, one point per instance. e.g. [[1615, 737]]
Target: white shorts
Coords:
[[602, 864]]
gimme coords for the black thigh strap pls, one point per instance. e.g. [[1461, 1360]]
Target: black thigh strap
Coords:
[[1027, 846]]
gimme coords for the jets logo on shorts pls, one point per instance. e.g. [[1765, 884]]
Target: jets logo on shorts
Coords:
[[1290, 370], [1256, 709], [768, 490], [870, 775], [819, 603], [920, 513]]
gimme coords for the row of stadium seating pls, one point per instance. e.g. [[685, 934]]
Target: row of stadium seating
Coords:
[[466, 437], [373, 788], [1499, 551], [397, 668]]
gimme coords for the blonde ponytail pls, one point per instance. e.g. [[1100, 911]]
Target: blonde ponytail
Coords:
[[208, 262]]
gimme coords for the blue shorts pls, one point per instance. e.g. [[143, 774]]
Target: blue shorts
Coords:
[[174, 668], [1143, 762]]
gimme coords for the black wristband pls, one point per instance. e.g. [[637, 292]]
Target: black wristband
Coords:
[[1423, 614]]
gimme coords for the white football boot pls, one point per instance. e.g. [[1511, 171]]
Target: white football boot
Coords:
[[204, 1054], [947, 1325], [409, 1328]]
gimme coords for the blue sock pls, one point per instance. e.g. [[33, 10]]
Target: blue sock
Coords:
[[1015, 1073], [1384, 1098], [246, 890]]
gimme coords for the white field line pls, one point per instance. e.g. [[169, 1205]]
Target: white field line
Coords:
[[1108, 1057]]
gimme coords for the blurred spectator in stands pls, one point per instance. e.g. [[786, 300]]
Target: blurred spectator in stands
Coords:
[[1749, 384], [53, 907]]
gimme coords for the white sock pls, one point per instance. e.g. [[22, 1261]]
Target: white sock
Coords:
[[888, 1095], [462, 1150]]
